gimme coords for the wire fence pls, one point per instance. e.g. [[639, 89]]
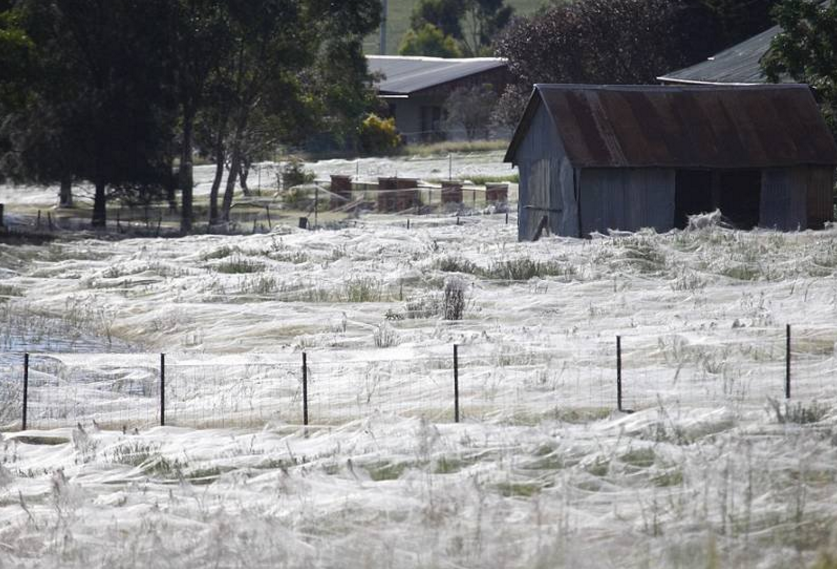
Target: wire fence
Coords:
[[524, 383]]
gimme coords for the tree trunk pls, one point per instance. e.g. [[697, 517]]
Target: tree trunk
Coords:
[[65, 194], [220, 156], [243, 174], [171, 188], [235, 164], [99, 207], [186, 179]]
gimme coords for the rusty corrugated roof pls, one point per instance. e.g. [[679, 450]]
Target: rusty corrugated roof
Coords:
[[685, 127]]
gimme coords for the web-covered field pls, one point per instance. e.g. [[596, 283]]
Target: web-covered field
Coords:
[[713, 469]]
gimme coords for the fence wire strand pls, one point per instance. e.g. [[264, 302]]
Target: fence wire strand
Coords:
[[525, 382]]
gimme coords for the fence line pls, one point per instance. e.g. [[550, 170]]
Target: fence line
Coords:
[[522, 382]]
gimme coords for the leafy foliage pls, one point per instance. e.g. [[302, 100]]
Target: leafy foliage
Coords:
[[379, 136], [805, 50], [470, 25], [15, 51], [295, 174], [95, 106], [619, 42], [111, 92], [428, 40], [442, 14]]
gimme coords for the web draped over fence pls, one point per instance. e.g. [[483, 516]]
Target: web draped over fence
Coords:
[[492, 381]]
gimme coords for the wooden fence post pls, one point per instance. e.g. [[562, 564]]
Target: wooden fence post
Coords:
[[162, 390], [619, 373], [787, 361], [304, 389], [455, 383], [25, 391]]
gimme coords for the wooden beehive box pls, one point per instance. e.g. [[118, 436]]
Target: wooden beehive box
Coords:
[[496, 193], [397, 194], [451, 192], [341, 191]]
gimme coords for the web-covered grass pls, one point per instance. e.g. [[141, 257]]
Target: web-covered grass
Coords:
[[713, 469]]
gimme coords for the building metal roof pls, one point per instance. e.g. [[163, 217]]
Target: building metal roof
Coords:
[[739, 65], [684, 126], [405, 75]]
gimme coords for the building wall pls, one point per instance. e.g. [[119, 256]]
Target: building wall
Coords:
[[820, 196], [784, 199], [627, 199], [797, 198], [408, 117], [546, 181]]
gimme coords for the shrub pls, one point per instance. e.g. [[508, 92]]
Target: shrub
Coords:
[[363, 290], [379, 136], [295, 174], [456, 265], [385, 336], [238, 266], [521, 269], [426, 306], [798, 413], [454, 299]]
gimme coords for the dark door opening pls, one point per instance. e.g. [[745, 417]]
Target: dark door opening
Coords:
[[692, 195], [740, 197]]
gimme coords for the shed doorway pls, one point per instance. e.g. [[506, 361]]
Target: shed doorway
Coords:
[[692, 195], [740, 197]]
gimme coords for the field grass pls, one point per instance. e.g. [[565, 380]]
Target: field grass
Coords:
[[399, 21]]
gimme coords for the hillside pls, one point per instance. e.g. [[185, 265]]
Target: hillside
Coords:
[[399, 21]]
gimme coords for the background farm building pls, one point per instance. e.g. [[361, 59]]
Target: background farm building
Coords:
[[416, 88]]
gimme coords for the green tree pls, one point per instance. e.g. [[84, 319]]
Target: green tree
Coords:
[[111, 91], [619, 41], [15, 55], [805, 50], [443, 14], [296, 67], [470, 24], [340, 78], [731, 21], [95, 108], [482, 21], [429, 40], [197, 33]]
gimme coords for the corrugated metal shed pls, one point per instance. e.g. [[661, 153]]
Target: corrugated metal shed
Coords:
[[740, 64], [404, 75], [685, 127]]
